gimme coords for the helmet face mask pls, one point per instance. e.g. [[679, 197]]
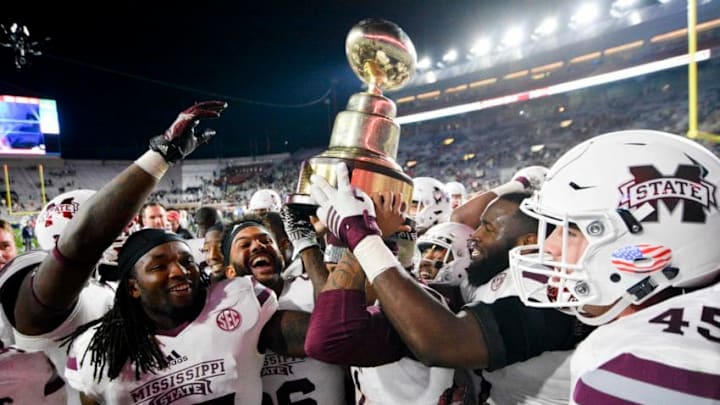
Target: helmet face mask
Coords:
[[453, 238], [644, 201]]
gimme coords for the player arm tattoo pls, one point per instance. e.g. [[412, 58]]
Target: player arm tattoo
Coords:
[[347, 275], [285, 333]]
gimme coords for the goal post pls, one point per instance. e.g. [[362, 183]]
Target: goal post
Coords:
[[8, 192]]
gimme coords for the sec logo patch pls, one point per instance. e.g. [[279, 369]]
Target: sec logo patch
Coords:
[[497, 282], [228, 319]]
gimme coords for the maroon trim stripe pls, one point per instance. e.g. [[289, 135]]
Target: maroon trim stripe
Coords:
[[674, 378], [71, 363], [263, 296], [585, 394], [541, 278]]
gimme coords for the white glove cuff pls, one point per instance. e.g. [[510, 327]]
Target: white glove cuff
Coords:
[[302, 244], [153, 163], [374, 257]]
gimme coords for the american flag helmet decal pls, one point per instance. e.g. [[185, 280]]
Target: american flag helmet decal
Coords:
[[641, 258]]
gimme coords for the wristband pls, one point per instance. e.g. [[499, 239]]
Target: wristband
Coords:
[[333, 253], [153, 163], [374, 257]]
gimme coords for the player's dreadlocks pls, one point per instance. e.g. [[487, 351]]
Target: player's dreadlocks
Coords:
[[123, 333]]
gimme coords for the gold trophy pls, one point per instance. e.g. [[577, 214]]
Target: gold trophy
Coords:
[[364, 136]]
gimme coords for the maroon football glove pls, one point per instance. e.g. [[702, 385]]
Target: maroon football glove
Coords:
[[180, 139]]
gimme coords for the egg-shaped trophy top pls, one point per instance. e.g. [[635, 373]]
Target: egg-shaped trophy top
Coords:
[[381, 54]]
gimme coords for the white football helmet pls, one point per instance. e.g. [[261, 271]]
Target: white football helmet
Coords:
[[432, 202], [453, 237], [265, 199], [455, 189], [57, 214], [646, 202]]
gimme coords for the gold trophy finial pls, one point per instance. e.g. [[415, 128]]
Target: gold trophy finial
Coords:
[[380, 54], [365, 136]]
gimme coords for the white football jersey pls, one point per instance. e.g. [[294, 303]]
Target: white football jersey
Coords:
[[29, 378], [544, 379], [288, 380], [22, 262], [214, 357], [94, 301], [667, 353], [406, 381]]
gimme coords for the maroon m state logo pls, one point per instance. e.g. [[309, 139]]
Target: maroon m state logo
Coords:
[[67, 208], [686, 185]]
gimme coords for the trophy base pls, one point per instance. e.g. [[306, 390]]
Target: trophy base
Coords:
[[300, 199], [367, 176]]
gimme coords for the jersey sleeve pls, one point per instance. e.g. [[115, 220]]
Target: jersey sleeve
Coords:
[[343, 330], [514, 332], [29, 378], [78, 371]]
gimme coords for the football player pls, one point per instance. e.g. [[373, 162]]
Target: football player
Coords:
[[635, 216], [24, 377], [264, 200], [479, 336], [430, 203], [457, 192], [49, 296], [444, 253], [253, 251]]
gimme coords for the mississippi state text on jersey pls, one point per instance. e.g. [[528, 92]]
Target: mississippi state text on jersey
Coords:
[[214, 357]]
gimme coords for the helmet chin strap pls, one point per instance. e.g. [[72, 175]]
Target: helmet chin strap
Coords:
[[615, 310], [642, 290]]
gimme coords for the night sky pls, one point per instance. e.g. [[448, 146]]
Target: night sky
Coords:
[[121, 73]]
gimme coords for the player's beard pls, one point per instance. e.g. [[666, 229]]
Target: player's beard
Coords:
[[482, 271]]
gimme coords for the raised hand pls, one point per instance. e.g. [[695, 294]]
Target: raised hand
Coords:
[[300, 231], [532, 177], [390, 212], [347, 211], [180, 139]]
